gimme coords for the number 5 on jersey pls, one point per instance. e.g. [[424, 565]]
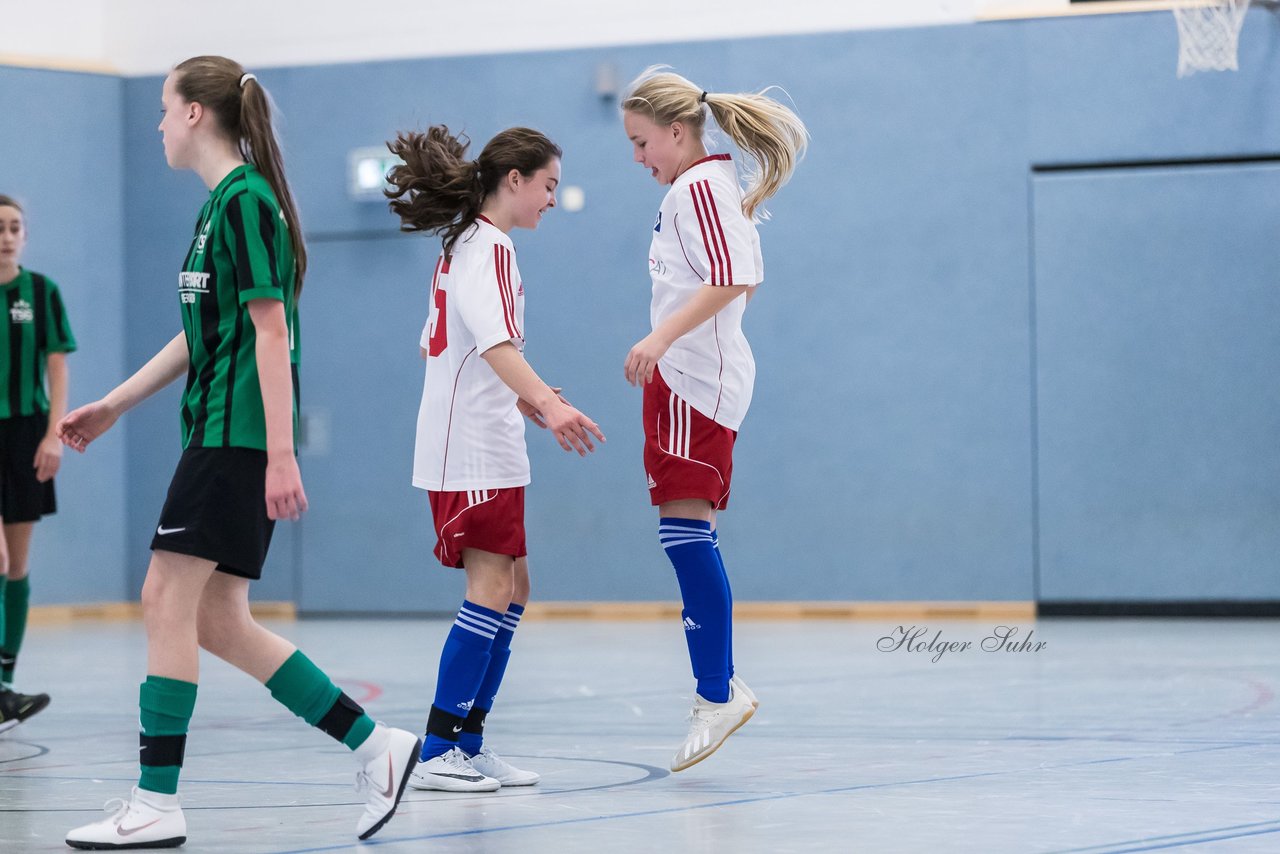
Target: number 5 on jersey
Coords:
[[439, 328]]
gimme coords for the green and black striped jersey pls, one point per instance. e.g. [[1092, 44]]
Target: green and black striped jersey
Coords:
[[35, 326], [240, 252]]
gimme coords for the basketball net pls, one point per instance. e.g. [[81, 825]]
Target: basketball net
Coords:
[[1209, 34]]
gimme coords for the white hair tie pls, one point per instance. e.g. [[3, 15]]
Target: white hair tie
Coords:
[[245, 78]]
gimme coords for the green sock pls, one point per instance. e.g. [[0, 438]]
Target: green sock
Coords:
[[165, 707], [13, 623], [305, 690]]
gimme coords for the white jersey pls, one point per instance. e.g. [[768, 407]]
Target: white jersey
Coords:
[[702, 237], [470, 434]]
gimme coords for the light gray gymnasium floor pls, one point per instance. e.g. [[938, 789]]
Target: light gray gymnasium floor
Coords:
[[1116, 736]]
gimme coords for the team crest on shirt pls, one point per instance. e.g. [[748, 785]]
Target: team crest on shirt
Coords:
[[20, 312], [203, 237], [657, 223]]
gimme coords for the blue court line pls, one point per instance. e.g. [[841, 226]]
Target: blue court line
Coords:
[[650, 773], [751, 800], [1179, 840], [642, 813]]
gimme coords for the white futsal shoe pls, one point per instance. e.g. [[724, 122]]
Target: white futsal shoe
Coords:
[[739, 685], [490, 764], [146, 820], [451, 772], [383, 780], [710, 724]]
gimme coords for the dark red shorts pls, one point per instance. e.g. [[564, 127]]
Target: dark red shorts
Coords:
[[491, 520], [686, 454]]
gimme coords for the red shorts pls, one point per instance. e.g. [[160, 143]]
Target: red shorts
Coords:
[[686, 454], [491, 520]]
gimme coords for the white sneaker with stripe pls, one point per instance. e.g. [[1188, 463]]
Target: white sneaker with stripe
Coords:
[[492, 765], [710, 724], [146, 820], [451, 772]]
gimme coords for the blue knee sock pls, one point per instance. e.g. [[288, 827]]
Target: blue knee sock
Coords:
[[463, 662], [471, 739], [707, 615], [728, 591]]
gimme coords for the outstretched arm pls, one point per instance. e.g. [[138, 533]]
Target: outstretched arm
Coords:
[[572, 429], [81, 426]]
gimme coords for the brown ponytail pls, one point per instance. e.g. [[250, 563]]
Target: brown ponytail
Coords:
[[243, 112], [438, 190]]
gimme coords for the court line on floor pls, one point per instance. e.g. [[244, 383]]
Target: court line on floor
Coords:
[[1178, 840], [651, 773], [712, 805]]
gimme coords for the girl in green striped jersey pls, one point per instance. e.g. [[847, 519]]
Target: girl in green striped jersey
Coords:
[[35, 338], [238, 473]]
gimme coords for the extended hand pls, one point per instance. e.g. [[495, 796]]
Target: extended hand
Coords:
[[81, 426], [572, 429], [528, 411]]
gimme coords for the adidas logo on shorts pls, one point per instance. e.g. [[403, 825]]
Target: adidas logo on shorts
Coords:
[[652, 482]]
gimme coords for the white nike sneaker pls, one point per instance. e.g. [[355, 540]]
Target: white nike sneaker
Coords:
[[492, 765], [146, 820], [710, 724], [739, 685], [451, 772], [383, 780]]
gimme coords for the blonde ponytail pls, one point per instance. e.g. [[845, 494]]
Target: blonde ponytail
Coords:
[[771, 134]]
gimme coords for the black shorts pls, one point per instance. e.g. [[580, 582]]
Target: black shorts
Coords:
[[22, 497], [217, 510]]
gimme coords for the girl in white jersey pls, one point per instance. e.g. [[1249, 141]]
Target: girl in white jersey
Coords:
[[696, 366], [470, 454]]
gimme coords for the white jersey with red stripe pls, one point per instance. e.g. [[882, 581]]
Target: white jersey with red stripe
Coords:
[[702, 237], [470, 434]]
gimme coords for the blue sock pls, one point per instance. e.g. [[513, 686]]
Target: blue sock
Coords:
[[728, 591], [463, 662], [471, 739], [707, 616]]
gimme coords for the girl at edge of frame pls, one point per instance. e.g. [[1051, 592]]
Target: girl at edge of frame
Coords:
[[470, 452], [30, 453], [238, 472], [696, 367]]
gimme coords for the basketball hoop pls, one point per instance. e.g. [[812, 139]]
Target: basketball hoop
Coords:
[[1209, 34]]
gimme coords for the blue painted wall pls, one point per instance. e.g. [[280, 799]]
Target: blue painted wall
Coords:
[[1159, 409], [60, 153], [889, 453]]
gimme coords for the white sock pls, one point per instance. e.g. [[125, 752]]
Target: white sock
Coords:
[[157, 800], [373, 746]]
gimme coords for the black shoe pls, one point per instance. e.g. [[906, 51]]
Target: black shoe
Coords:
[[16, 708]]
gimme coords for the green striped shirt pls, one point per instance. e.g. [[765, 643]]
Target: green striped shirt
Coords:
[[240, 252], [35, 326]]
